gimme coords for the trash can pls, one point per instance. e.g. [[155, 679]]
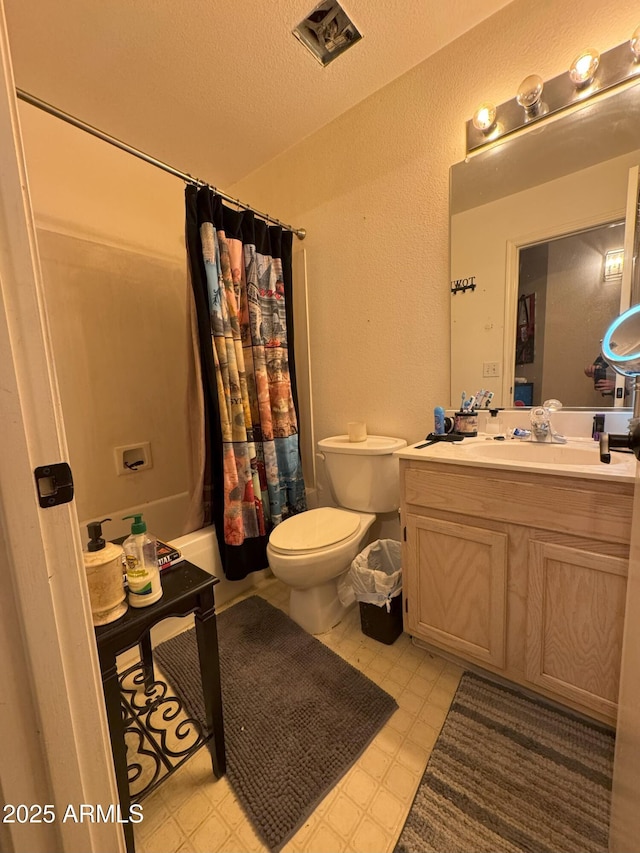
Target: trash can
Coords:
[[375, 582]]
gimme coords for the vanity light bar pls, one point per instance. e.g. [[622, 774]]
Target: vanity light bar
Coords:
[[615, 66]]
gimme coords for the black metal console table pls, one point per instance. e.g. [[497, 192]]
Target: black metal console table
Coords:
[[140, 707]]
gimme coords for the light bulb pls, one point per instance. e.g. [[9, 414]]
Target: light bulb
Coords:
[[583, 68], [484, 117], [529, 95], [635, 44]]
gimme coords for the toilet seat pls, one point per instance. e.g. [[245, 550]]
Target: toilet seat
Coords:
[[314, 530]]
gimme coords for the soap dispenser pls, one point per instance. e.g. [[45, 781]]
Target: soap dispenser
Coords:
[[104, 565], [143, 574]]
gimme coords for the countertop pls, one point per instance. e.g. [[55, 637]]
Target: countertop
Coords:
[[621, 469]]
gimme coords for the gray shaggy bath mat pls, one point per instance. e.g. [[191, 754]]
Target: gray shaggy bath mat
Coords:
[[512, 774], [296, 716]]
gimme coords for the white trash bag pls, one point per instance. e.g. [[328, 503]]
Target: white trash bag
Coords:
[[375, 576]]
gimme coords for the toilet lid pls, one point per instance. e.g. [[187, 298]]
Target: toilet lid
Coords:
[[316, 528]]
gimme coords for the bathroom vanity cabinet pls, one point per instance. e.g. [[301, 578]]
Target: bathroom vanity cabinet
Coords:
[[520, 573]]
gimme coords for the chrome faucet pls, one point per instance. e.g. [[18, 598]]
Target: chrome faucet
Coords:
[[541, 426]]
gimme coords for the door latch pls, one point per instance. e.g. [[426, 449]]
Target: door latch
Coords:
[[54, 484]]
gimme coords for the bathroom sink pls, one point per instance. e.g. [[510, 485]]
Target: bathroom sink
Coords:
[[579, 457], [540, 452]]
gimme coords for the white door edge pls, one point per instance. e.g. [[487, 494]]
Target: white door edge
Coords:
[[627, 295], [624, 822], [54, 741]]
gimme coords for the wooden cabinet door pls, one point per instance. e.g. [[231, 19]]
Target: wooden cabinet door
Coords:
[[575, 616], [456, 582]]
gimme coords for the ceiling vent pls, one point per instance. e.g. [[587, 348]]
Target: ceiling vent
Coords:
[[327, 31]]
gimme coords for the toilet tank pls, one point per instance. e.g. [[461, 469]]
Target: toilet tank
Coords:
[[364, 475]]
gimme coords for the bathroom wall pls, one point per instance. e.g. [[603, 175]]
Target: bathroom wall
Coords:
[[371, 188]]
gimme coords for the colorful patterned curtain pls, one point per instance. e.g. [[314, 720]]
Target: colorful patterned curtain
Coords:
[[242, 284]]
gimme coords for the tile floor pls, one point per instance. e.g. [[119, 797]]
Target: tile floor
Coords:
[[192, 812]]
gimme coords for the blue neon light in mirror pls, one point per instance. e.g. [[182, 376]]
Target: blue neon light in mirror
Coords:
[[627, 363]]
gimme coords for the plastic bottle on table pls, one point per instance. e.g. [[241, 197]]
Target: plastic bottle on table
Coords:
[[143, 574]]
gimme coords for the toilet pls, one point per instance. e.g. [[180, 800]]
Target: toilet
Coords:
[[310, 551]]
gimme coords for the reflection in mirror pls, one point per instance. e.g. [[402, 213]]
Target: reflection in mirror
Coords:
[[621, 344], [557, 280], [567, 177]]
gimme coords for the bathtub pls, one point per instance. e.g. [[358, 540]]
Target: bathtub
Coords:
[[201, 549]]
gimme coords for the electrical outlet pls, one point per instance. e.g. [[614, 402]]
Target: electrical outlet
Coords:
[[491, 368], [132, 458]]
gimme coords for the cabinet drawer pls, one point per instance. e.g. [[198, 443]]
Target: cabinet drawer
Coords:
[[597, 509]]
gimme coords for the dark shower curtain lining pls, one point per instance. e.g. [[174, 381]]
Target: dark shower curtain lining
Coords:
[[203, 206]]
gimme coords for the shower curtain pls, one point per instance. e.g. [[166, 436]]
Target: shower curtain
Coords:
[[240, 270]]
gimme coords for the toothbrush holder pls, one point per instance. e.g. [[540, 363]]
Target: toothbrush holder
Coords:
[[466, 423]]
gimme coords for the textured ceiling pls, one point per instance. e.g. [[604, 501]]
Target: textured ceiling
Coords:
[[217, 88]]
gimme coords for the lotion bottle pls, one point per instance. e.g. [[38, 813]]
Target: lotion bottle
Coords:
[[104, 565], [143, 574]]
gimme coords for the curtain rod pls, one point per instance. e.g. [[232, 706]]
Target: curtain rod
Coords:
[[76, 122]]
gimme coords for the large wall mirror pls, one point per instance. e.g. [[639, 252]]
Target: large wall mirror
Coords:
[[537, 224]]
